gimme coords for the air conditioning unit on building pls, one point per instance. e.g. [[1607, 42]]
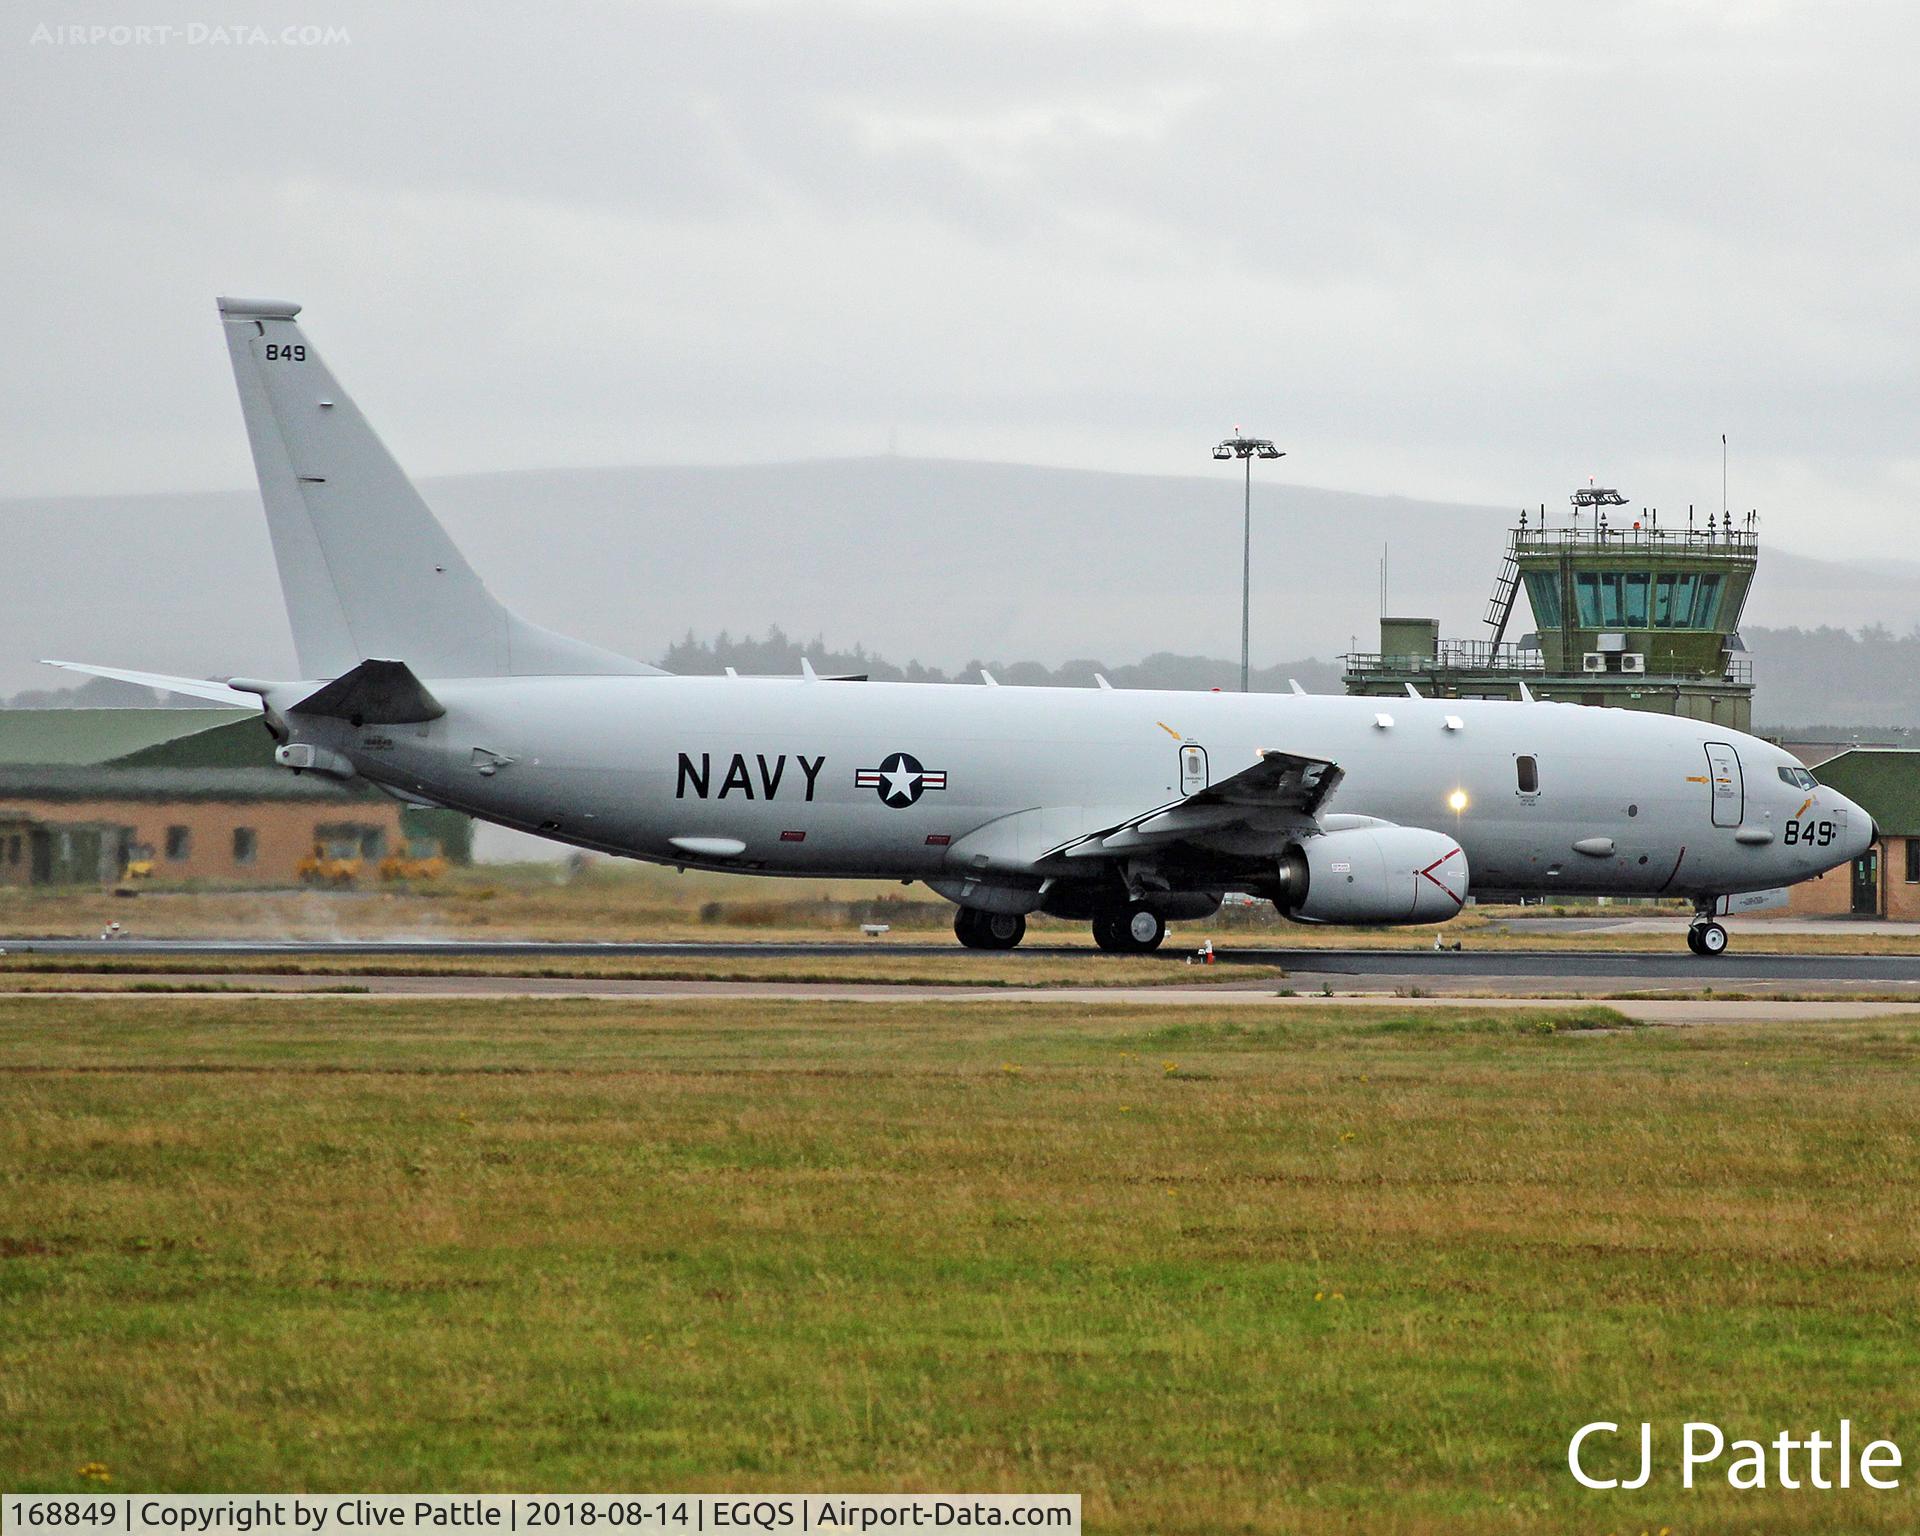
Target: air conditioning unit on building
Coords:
[[1593, 661], [1633, 661]]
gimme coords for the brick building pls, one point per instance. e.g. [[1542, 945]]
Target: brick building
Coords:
[[87, 795], [1884, 881]]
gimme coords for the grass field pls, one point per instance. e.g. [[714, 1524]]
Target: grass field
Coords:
[[860, 965], [1214, 1271]]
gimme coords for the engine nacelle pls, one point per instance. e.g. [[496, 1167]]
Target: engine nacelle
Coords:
[[1377, 874]]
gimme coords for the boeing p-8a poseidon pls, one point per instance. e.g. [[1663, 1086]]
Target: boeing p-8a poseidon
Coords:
[[1123, 808]]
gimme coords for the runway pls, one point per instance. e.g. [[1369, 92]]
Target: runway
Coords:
[[1554, 968]]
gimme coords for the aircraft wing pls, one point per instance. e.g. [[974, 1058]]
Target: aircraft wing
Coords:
[[1275, 796]]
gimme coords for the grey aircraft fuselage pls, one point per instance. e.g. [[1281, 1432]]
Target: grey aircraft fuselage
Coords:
[[990, 779], [1123, 808]]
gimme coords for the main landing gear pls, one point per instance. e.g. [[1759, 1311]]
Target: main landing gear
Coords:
[[988, 930], [1134, 930], [1706, 937]]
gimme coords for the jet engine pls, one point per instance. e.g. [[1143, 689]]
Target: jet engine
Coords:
[[1372, 874]]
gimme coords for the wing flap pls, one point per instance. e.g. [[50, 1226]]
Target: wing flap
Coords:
[[1275, 795]]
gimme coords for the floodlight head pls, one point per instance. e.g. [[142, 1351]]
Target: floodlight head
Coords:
[[1268, 451], [1222, 451]]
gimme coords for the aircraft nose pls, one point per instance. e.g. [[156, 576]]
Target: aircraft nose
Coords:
[[1861, 832], [1869, 833]]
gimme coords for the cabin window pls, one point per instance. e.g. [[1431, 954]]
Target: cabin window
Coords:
[[245, 844], [1527, 772], [179, 842]]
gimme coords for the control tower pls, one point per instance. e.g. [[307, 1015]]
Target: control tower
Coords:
[[1627, 612]]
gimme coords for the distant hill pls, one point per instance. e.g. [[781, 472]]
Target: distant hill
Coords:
[[1830, 677], [1806, 678], [928, 562], [778, 655]]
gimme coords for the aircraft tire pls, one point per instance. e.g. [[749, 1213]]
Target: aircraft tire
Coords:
[[1002, 930], [988, 930], [1141, 930], [1707, 939], [1134, 930]]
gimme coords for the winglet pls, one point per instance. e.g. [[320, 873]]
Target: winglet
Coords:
[[1293, 686], [988, 678], [1412, 692], [807, 672], [1100, 681], [1526, 694]]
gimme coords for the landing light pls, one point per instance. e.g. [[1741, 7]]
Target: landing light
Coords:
[[1457, 801]]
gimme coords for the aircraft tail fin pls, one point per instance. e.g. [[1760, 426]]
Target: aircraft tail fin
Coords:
[[366, 568]]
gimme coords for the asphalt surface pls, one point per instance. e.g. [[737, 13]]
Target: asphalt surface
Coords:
[[1667, 964]]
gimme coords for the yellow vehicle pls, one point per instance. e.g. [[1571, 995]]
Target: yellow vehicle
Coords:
[[421, 859], [334, 861], [139, 862]]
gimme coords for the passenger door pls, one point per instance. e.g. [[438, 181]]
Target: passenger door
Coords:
[[1724, 782]]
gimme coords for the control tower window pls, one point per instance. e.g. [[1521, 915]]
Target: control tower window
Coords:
[[1543, 594], [1706, 603], [1673, 601], [1635, 614]]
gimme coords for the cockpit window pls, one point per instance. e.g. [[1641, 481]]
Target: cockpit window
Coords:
[[1798, 777]]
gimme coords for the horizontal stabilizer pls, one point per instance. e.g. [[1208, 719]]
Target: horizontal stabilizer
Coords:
[[193, 687], [374, 693]]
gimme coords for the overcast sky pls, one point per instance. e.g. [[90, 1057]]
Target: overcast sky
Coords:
[[1469, 251]]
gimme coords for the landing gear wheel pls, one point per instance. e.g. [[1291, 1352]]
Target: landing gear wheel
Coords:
[[988, 930], [1002, 930], [1136, 931], [1144, 930], [1707, 939]]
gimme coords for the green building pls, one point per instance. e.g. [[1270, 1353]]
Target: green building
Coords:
[[1627, 612]]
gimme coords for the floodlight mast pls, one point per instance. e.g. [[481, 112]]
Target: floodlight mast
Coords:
[[1248, 448]]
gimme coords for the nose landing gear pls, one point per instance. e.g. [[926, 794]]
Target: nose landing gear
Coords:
[[1706, 937]]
